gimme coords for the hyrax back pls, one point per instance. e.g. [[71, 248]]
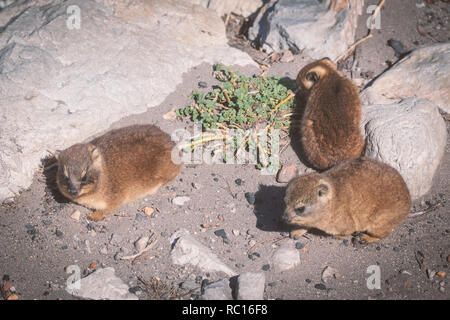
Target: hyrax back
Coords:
[[329, 128], [358, 195], [118, 167]]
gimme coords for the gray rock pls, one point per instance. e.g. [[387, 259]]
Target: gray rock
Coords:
[[219, 290], [250, 286], [102, 285], [424, 73], [318, 28], [61, 85], [409, 136], [285, 257], [187, 250]]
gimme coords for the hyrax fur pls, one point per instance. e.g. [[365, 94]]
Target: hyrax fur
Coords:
[[330, 126], [358, 195], [118, 167]]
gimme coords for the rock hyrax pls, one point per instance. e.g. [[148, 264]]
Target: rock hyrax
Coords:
[[357, 195], [329, 128], [118, 167]]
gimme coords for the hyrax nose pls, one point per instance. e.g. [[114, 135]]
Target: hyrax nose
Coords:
[[73, 191]]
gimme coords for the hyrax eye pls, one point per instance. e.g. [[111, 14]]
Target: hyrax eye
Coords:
[[300, 210], [312, 76], [84, 179]]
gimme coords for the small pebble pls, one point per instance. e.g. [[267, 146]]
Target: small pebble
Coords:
[[308, 280], [239, 265], [216, 179], [202, 84], [235, 232], [47, 222], [250, 197], [179, 201], [396, 249], [397, 46], [254, 255], [221, 233], [272, 284], [430, 274], [266, 267], [59, 233], [238, 181], [299, 245], [320, 286], [76, 215], [196, 186], [135, 290], [140, 217]]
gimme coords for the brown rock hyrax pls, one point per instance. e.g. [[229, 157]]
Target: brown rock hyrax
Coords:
[[118, 167], [329, 127], [357, 195]]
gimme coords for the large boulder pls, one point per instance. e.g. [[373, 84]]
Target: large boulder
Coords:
[[69, 69], [410, 136], [424, 73], [320, 28]]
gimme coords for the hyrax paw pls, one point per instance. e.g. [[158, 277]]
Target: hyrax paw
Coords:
[[297, 233], [368, 238], [96, 216]]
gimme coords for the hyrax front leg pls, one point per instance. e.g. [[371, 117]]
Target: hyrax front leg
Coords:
[[297, 233]]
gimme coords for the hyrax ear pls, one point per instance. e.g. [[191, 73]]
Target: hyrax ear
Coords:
[[94, 152], [312, 76], [323, 190]]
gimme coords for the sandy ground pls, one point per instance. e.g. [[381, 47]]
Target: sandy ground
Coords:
[[38, 239]]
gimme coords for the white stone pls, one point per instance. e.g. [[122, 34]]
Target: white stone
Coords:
[[179, 201], [187, 250], [250, 286], [76, 215], [102, 285], [329, 273], [285, 258], [410, 136], [424, 73], [61, 85]]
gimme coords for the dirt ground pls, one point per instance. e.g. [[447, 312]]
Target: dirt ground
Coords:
[[39, 239]]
